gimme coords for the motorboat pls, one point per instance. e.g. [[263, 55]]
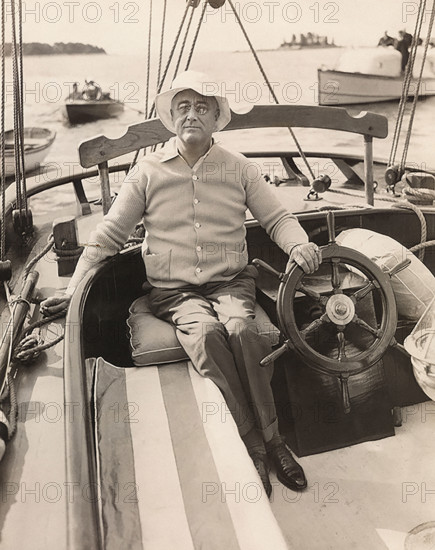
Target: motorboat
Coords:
[[91, 104], [372, 75]]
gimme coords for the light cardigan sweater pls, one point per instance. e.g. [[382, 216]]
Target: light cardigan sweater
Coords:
[[194, 217]]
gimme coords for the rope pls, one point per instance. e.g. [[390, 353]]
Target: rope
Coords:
[[8, 330], [423, 224], [21, 103], [26, 350], [160, 86], [183, 44], [42, 322], [362, 195], [422, 193], [420, 77], [13, 413], [162, 35], [171, 54], [421, 246], [28, 268], [301, 153], [15, 107], [9, 419], [195, 38], [405, 87], [149, 56], [2, 139]]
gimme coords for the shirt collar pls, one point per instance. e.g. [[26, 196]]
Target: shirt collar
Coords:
[[171, 151]]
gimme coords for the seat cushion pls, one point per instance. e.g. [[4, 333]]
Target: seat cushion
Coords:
[[154, 342]]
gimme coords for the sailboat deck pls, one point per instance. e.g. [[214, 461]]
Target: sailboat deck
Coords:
[[365, 496]]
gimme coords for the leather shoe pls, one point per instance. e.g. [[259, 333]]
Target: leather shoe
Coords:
[[288, 471], [262, 467]]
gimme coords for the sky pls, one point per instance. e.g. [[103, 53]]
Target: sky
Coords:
[[122, 26]]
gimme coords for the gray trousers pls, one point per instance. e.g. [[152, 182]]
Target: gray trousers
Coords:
[[216, 326]]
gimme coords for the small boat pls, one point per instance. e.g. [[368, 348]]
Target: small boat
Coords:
[[37, 143], [371, 75], [80, 111], [91, 104]]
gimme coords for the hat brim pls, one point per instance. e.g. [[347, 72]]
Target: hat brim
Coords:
[[164, 101]]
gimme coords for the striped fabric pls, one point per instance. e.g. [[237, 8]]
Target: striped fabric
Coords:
[[173, 472]]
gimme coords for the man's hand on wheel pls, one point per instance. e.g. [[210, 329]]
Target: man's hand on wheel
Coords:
[[308, 257]]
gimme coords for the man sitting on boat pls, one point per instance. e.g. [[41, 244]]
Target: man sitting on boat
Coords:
[[75, 94], [192, 197], [91, 91]]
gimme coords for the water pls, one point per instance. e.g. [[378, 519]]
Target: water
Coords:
[[48, 80]]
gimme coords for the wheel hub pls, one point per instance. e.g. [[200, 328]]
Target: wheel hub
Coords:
[[340, 309]]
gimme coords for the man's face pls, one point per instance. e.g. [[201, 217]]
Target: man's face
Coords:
[[194, 117]]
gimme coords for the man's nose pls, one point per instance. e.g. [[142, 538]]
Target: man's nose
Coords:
[[191, 113]]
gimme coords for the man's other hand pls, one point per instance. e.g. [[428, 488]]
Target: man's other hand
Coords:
[[308, 256], [55, 304]]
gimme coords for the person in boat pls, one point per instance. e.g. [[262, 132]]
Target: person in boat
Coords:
[[402, 45], [92, 91], [386, 40], [75, 94], [192, 196]]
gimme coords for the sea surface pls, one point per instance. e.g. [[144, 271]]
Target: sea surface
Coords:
[[293, 76]]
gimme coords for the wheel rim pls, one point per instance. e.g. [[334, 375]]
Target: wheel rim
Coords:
[[338, 312]]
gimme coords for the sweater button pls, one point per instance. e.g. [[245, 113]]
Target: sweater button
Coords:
[[198, 270], [195, 177], [198, 248], [195, 201], [197, 224]]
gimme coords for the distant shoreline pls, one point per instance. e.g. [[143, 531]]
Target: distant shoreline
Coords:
[[279, 49], [59, 48]]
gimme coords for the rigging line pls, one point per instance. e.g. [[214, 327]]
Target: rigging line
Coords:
[[15, 107], [160, 86], [195, 38], [161, 43], [406, 84], [410, 65], [177, 66], [147, 94], [2, 138], [420, 77], [171, 54], [302, 154], [9, 326], [21, 100]]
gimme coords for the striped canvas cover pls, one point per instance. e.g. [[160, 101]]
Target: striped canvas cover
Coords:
[[173, 471]]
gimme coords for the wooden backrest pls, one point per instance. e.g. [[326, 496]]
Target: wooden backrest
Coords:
[[101, 149]]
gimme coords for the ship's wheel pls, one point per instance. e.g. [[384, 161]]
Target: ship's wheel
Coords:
[[339, 341]]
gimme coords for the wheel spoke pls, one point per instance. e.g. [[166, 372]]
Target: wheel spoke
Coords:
[[362, 292], [317, 323], [308, 292], [341, 345], [335, 275], [376, 332]]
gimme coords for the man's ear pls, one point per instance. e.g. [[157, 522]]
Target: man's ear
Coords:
[[217, 114], [172, 114]]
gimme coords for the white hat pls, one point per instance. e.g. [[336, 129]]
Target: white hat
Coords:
[[198, 82]]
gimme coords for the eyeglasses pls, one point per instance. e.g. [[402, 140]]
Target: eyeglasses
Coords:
[[200, 108]]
